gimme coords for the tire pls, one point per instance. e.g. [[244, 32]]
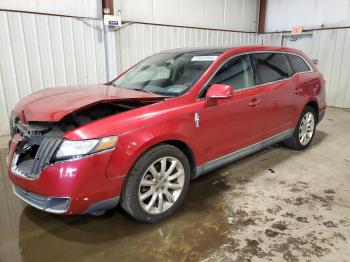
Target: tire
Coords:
[[158, 183], [295, 142]]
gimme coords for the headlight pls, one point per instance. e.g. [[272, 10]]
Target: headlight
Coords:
[[71, 149]]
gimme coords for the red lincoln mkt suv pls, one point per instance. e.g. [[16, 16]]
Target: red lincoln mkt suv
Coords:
[[141, 138]]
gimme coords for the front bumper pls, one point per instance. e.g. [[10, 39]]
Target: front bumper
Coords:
[[61, 205], [77, 186], [57, 205]]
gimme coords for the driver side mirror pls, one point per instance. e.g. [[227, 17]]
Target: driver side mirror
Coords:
[[219, 91]]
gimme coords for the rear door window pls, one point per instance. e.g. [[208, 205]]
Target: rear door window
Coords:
[[298, 64], [271, 67]]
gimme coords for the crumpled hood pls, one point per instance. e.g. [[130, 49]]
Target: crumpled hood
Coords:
[[53, 104]]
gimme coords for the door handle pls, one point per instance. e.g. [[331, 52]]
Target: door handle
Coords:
[[255, 102], [298, 91]]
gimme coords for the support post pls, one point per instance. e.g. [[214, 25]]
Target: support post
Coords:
[[108, 4], [107, 9], [262, 15]]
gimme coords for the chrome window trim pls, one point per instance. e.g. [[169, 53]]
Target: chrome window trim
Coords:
[[255, 86]]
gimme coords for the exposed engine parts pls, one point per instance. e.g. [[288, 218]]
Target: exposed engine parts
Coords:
[[40, 140]]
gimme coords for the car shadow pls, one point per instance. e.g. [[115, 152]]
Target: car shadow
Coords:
[[202, 215]]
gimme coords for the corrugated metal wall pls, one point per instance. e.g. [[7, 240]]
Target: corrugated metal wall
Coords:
[[38, 51], [331, 49], [272, 39], [238, 15], [77, 8], [282, 15], [138, 41]]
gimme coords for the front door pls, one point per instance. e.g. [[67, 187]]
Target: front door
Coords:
[[230, 124]]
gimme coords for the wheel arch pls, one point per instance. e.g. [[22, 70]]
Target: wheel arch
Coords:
[[314, 105], [185, 147], [178, 143], [181, 145]]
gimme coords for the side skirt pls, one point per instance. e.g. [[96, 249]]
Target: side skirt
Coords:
[[221, 161]]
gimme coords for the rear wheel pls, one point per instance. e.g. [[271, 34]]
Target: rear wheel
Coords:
[[157, 184], [304, 131]]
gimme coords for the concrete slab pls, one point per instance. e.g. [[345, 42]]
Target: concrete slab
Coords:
[[276, 205], [4, 141]]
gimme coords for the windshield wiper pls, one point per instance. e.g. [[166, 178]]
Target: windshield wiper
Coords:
[[137, 89], [142, 90]]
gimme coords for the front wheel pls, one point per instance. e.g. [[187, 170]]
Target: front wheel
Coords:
[[157, 184], [304, 131]]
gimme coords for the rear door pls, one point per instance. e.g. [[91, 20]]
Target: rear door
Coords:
[[306, 83], [272, 72]]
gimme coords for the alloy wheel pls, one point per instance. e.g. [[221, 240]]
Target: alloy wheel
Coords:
[[161, 185], [306, 128]]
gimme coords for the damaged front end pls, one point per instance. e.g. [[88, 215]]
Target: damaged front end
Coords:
[[34, 151], [38, 142]]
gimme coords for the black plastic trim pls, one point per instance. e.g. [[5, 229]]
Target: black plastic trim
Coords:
[[44, 154], [99, 208], [321, 115]]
